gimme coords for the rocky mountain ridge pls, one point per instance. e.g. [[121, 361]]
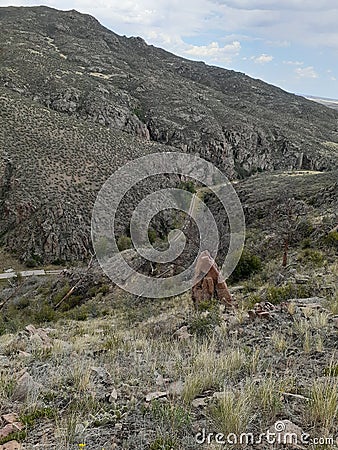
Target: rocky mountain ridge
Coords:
[[80, 68], [78, 101]]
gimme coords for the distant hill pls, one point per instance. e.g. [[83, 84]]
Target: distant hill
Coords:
[[78, 101]]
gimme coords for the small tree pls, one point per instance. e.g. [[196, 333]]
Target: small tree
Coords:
[[288, 217]]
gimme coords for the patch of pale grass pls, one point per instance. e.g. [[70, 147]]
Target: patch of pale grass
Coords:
[[307, 311], [210, 369], [7, 385], [301, 326], [307, 342], [288, 383], [254, 361], [266, 395], [332, 304], [279, 342], [240, 314], [323, 405], [232, 412], [81, 377], [319, 343], [319, 319], [66, 430], [291, 308]]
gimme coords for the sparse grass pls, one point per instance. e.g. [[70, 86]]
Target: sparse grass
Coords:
[[203, 324], [319, 343], [307, 342], [279, 341], [323, 406], [135, 343], [266, 395], [211, 370], [232, 412], [172, 418], [319, 319], [301, 326], [80, 377], [163, 443], [65, 429], [7, 385], [332, 303]]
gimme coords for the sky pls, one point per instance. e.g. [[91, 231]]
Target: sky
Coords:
[[292, 44]]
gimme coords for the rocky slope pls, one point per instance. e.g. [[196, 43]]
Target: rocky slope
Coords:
[[77, 101]]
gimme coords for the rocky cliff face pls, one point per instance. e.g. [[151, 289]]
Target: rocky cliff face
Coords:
[[70, 63], [78, 101]]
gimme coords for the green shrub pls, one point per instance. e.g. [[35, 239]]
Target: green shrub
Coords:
[[59, 262], [175, 417], [71, 302], [104, 289], [306, 243], [278, 294], [31, 417], [152, 235], [124, 243], [247, 266], [305, 229], [206, 320], [45, 313], [98, 289], [187, 186], [16, 436], [163, 443], [208, 305], [315, 257], [59, 296], [139, 113], [331, 240], [22, 303], [252, 299], [34, 261]]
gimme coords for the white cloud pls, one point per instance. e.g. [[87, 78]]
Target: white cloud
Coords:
[[214, 52], [306, 72], [276, 22], [262, 59], [211, 53], [305, 22], [278, 5]]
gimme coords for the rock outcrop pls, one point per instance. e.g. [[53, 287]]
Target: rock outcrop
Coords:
[[209, 282]]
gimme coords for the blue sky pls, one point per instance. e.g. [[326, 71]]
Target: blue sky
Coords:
[[289, 43]]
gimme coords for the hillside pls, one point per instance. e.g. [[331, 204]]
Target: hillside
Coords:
[[77, 101]]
